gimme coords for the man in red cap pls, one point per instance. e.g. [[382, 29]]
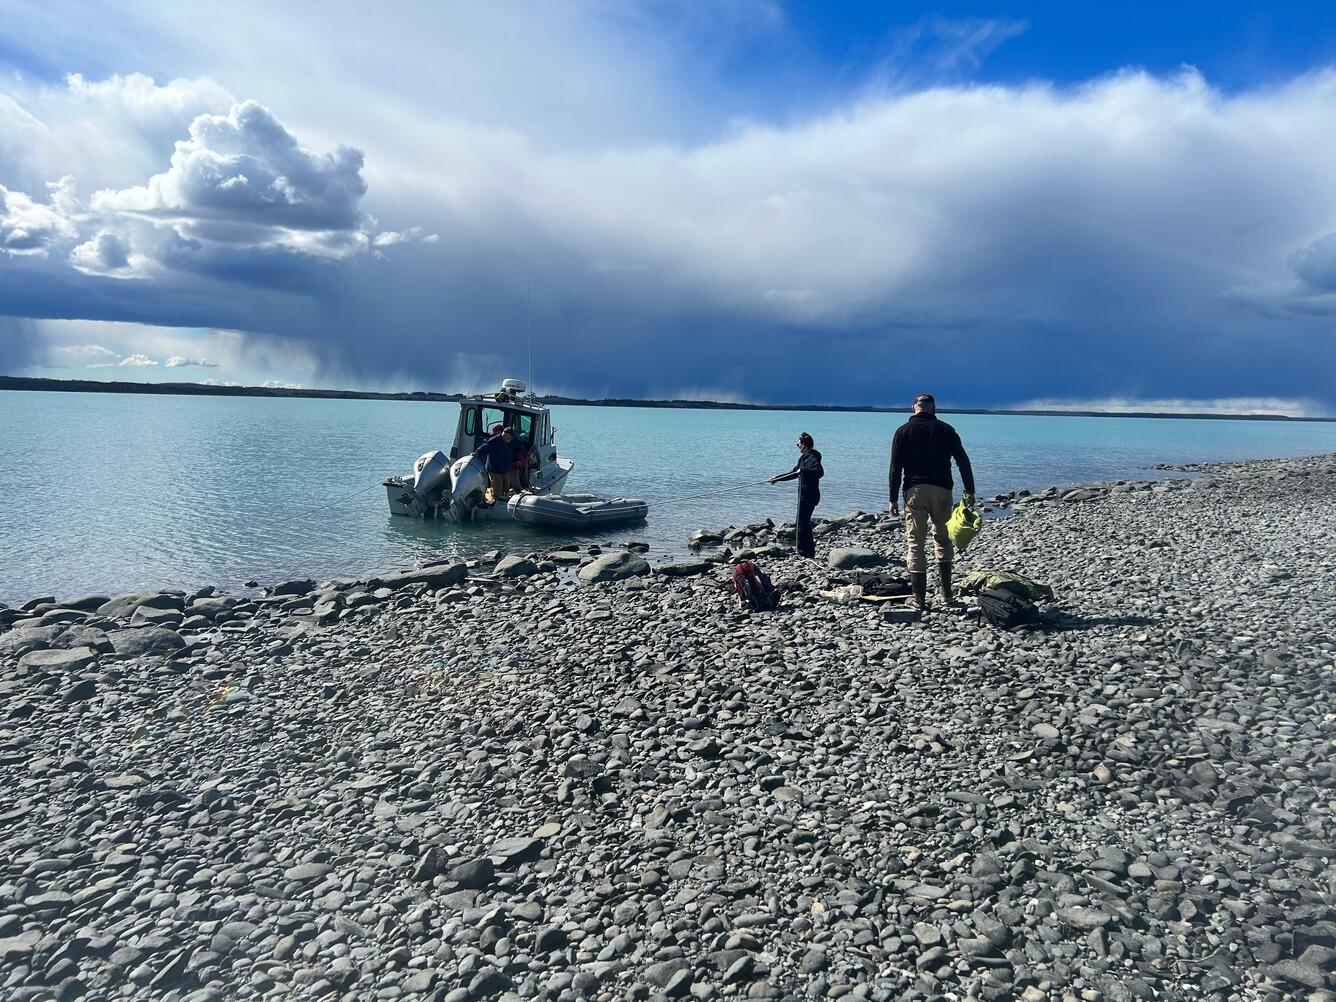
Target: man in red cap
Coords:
[[921, 453]]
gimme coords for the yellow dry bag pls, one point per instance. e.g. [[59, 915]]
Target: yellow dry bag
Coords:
[[964, 524]]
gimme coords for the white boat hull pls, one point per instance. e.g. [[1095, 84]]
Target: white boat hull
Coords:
[[453, 485], [404, 501]]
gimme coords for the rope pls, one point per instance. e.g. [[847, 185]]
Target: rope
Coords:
[[878, 501], [327, 504], [706, 494], [665, 501]]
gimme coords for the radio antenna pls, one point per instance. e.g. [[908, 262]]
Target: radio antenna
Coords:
[[528, 329]]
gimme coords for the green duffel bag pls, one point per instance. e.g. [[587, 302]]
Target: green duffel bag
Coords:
[[964, 524], [976, 582]]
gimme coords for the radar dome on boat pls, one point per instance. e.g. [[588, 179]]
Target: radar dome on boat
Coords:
[[513, 386]]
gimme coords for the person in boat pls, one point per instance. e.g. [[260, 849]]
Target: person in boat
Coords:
[[921, 454], [497, 453], [518, 476], [808, 472]]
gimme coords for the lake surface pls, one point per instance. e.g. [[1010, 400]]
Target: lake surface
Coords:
[[116, 492]]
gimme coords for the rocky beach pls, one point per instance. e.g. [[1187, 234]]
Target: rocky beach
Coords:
[[567, 775]]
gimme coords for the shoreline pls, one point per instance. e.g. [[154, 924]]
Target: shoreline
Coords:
[[463, 782], [42, 384]]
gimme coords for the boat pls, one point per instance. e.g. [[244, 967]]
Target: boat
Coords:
[[575, 511], [453, 485]]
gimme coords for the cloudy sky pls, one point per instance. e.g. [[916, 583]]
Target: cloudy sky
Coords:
[[740, 199]]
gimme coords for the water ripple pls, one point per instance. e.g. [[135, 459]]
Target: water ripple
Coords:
[[109, 492]]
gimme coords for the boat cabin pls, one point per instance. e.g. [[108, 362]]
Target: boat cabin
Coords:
[[510, 408], [439, 487]]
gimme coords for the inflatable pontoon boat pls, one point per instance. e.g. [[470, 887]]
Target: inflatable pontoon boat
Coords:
[[575, 511]]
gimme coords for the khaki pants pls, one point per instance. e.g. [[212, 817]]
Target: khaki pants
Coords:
[[496, 486], [923, 503]]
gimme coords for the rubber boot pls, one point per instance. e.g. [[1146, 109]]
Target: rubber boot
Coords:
[[918, 584], [944, 575]]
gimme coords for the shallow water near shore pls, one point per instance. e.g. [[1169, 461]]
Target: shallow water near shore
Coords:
[[112, 492]]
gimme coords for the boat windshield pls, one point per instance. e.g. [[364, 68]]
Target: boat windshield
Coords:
[[479, 422]]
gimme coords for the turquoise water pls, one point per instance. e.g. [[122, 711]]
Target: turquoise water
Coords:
[[113, 492]]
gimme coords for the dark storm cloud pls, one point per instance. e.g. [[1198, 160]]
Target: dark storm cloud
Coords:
[[1315, 265], [21, 344], [1136, 237]]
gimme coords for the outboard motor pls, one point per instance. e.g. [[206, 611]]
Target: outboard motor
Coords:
[[431, 478], [469, 482]]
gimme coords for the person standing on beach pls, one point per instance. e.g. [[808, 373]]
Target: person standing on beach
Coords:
[[808, 472], [921, 453]]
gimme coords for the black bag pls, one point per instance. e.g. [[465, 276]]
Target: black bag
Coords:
[[880, 583], [1005, 609]]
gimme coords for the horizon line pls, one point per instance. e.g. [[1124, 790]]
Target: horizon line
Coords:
[[41, 383]]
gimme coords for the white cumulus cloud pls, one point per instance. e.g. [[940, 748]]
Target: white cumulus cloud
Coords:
[[32, 228], [110, 253], [141, 98], [182, 362], [240, 199], [137, 361], [82, 352], [243, 178]]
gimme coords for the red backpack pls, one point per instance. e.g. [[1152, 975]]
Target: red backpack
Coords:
[[754, 588]]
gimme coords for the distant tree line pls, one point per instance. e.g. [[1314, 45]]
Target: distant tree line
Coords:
[[215, 390]]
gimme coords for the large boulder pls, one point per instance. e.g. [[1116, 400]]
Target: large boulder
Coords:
[[473, 873], [704, 537], [1081, 494], [124, 606], [686, 568], [847, 558], [515, 567], [614, 567], [146, 640], [79, 635], [156, 617], [23, 639], [435, 576], [211, 606], [59, 660], [86, 603], [298, 587], [53, 616]]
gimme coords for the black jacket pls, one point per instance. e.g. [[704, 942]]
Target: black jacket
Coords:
[[497, 454], [808, 472], [922, 451]]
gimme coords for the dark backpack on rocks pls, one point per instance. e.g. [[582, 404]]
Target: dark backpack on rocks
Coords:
[[754, 587], [1005, 609]]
